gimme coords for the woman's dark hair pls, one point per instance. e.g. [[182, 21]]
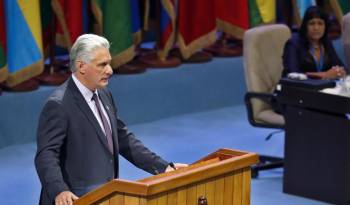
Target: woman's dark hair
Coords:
[[311, 13]]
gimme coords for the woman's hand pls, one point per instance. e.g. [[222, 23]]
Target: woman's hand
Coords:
[[335, 72]]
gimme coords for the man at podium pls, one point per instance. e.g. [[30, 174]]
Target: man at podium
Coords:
[[80, 136]]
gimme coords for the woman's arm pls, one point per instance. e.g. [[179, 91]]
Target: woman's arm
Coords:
[[290, 57]]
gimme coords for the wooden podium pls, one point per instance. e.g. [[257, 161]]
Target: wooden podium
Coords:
[[222, 177]]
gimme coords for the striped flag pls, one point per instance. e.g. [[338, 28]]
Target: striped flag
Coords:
[[70, 24], [24, 41], [167, 28], [196, 30], [115, 17], [232, 17], [267, 10], [3, 65], [262, 12]]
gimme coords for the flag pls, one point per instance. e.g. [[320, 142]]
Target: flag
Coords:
[[267, 10], [232, 17], [254, 14], [46, 24], [135, 21], [167, 28], [97, 13], [115, 17], [24, 40], [340, 8], [69, 24], [262, 12], [196, 30], [3, 66], [85, 15], [299, 8]]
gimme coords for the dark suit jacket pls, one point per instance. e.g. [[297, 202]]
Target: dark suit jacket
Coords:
[[297, 58], [72, 152]]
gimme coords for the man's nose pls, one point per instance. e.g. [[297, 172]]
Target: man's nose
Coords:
[[109, 70]]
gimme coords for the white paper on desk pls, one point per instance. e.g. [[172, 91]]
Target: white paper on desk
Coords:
[[342, 88]]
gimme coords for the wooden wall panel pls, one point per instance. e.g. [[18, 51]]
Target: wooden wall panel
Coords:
[[117, 199], [172, 198], [131, 200], [237, 187], [246, 186], [219, 191], [228, 194], [152, 200], [210, 191], [182, 196], [200, 191], [162, 199], [143, 201], [191, 195]]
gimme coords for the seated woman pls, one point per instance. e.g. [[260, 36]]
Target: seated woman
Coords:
[[310, 51]]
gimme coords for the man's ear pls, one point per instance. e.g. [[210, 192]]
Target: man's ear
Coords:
[[80, 65]]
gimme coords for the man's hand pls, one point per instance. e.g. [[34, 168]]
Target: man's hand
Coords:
[[65, 198], [176, 165]]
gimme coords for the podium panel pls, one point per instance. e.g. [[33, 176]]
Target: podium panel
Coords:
[[222, 177], [317, 142]]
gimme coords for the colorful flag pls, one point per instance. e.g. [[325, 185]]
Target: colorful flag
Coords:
[[115, 16], [299, 8], [254, 14], [24, 41], [232, 17], [267, 10], [196, 30], [167, 28], [340, 8], [262, 12], [69, 24], [3, 66]]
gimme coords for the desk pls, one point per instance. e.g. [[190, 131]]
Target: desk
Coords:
[[317, 145]]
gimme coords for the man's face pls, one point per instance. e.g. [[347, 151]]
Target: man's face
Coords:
[[96, 73]]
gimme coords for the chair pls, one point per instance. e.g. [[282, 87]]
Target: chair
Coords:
[[346, 40], [262, 53]]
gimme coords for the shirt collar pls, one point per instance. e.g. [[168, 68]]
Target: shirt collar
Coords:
[[86, 92]]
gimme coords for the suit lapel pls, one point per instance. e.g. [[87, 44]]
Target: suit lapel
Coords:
[[84, 107]]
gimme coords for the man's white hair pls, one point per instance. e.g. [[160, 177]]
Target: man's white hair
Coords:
[[84, 47]]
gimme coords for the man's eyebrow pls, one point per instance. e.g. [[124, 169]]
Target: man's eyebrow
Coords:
[[103, 62]]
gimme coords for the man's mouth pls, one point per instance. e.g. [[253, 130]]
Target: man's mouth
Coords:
[[105, 79]]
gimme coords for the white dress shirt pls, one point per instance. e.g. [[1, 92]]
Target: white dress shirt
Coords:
[[87, 94]]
